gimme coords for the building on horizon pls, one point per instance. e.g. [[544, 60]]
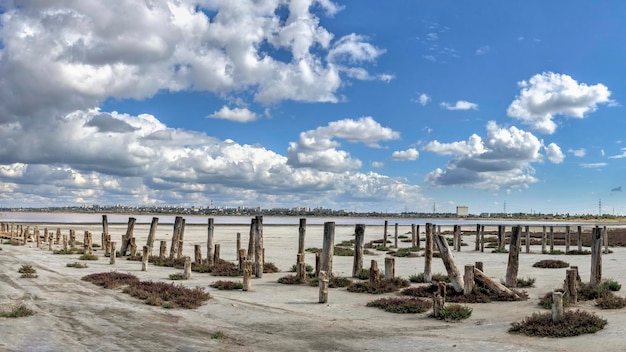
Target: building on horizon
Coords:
[[462, 211]]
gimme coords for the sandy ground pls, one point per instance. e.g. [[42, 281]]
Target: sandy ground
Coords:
[[73, 315]]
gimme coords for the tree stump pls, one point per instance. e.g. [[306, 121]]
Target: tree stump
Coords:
[[162, 249], [468, 280], [571, 285], [241, 259], [374, 273], [187, 269], [145, 255], [216, 254], [390, 268], [557, 306], [247, 275], [323, 287], [113, 252], [197, 249]]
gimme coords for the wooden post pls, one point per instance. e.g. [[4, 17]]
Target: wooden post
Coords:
[[162, 249], [89, 245], [428, 253], [359, 238], [439, 299], [482, 238], [326, 260], [152, 233], [85, 241], [72, 238], [209, 242], [50, 242], [216, 254], [571, 285], [596, 257], [551, 239], [567, 239], [300, 267], [251, 245], [477, 244], [557, 306], [105, 225], [501, 237], [247, 275], [390, 268], [65, 244], [323, 286], [301, 235], [317, 264], [385, 235], [580, 239], [57, 239], [187, 269], [527, 232], [395, 236], [127, 237], [259, 260], [448, 261], [113, 253], [238, 245], [413, 236], [174, 242], [242, 259], [145, 254], [197, 249], [38, 240], [457, 237], [605, 239], [181, 237], [513, 265], [374, 272], [543, 240], [133, 247], [479, 266], [468, 280]]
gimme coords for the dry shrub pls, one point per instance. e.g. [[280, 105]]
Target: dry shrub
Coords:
[[17, 312], [290, 280], [333, 282], [454, 312], [383, 286], [26, 269], [407, 252], [74, 250], [577, 252], [611, 301], [111, 279], [343, 252], [88, 256], [307, 267], [224, 268], [167, 295], [402, 305], [551, 264], [167, 262], [227, 285], [268, 268], [437, 277], [574, 323], [76, 265]]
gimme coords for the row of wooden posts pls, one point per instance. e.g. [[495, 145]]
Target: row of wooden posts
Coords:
[[251, 262]]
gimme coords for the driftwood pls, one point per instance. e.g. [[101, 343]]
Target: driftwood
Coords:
[[448, 261], [493, 285]]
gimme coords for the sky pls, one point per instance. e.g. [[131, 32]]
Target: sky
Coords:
[[366, 105]]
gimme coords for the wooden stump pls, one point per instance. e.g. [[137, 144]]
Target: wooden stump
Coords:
[[551, 239], [482, 238], [501, 237], [479, 266], [57, 239], [216, 254], [567, 239], [468, 280], [145, 255], [174, 242], [326, 259], [579, 239], [133, 247], [209, 242], [439, 299], [162, 249], [571, 285], [126, 239], [187, 269], [513, 264], [359, 238], [105, 225], [323, 287], [395, 236], [152, 233], [527, 232], [301, 235], [493, 285], [596, 257], [605, 239], [385, 234], [241, 259], [413, 236], [317, 264], [251, 245], [374, 273], [259, 260], [50, 243], [181, 237], [72, 238], [477, 244], [247, 275], [113, 252], [300, 267], [197, 249], [238, 245], [457, 238], [390, 268], [428, 253], [557, 306], [448, 261], [65, 243], [543, 240]]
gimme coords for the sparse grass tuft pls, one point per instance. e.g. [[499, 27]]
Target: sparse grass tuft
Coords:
[[88, 256], [551, 264], [419, 278], [167, 295], [218, 335], [290, 280], [308, 268], [17, 312], [454, 312], [224, 268], [382, 248], [574, 323], [402, 305], [69, 251], [526, 282], [313, 250], [76, 265], [384, 286], [177, 276], [26, 269], [577, 252], [268, 268], [343, 252], [611, 285], [407, 252], [227, 285], [333, 282], [611, 301]]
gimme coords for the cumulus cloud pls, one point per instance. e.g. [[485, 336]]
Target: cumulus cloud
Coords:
[[549, 94], [405, 155], [423, 99], [318, 148], [236, 114], [578, 152], [459, 105], [503, 159]]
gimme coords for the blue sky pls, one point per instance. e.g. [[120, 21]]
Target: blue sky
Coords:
[[367, 106]]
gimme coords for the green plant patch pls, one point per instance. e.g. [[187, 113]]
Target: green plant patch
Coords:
[[167, 295], [290, 280], [76, 265], [17, 312], [111, 280], [383, 286], [177, 276], [402, 305], [308, 268], [313, 250], [611, 301], [454, 312], [227, 285], [333, 282], [551, 264], [574, 323], [88, 256], [26, 269], [343, 252], [268, 268]]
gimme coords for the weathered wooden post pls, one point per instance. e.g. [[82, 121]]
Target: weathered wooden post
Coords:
[[162, 249], [513, 265], [133, 247], [50, 243], [395, 236], [242, 258], [543, 240], [596, 257], [72, 238], [557, 306], [580, 239], [493, 285], [501, 237], [65, 244], [413, 236], [181, 238], [174, 242], [428, 253], [152, 233], [359, 238], [390, 268], [57, 239], [209, 242], [482, 238], [385, 234], [300, 267], [251, 244], [301, 235], [605, 239], [439, 299], [551, 239], [238, 245], [197, 249], [448, 261], [527, 232], [127, 237], [89, 243], [477, 244], [323, 286], [571, 285], [259, 258], [317, 264], [457, 238], [113, 253], [374, 273], [479, 266], [216, 254], [468, 280], [85, 241], [567, 238], [247, 275], [145, 255], [187, 269], [38, 240], [326, 259]]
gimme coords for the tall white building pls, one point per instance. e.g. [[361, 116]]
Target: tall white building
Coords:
[[462, 211]]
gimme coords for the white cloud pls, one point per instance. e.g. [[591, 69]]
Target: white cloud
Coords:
[[423, 99], [501, 160], [405, 155], [459, 105], [554, 153], [430, 58], [378, 164], [317, 148], [483, 50], [236, 114], [578, 152], [619, 156], [602, 152], [549, 94], [594, 165]]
